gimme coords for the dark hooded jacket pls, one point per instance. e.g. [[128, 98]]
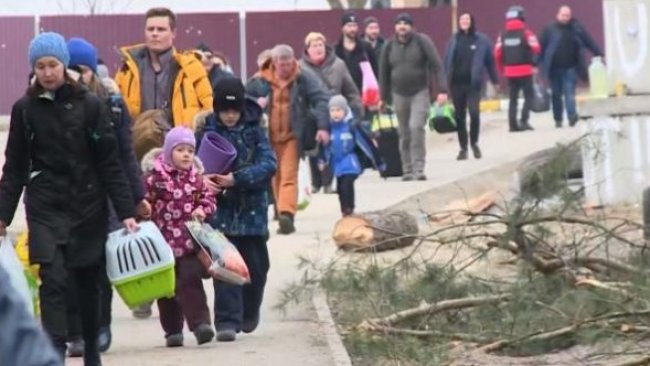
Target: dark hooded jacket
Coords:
[[62, 150], [242, 209], [550, 41], [482, 56], [122, 125], [362, 52]]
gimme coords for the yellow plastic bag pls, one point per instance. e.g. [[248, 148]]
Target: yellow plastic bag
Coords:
[[31, 270]]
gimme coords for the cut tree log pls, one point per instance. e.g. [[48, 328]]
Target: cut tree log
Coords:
[[376, 231], [462, 210]]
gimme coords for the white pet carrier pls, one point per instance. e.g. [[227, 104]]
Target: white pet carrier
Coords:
[[140, 265]]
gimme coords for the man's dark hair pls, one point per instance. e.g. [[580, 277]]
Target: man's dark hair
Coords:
[[162, 12]]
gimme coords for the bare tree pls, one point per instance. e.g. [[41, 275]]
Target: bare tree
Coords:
[[351, 4], [93, 7]]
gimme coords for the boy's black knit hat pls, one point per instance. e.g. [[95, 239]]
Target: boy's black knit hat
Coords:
[[404, 17], [229, 94]]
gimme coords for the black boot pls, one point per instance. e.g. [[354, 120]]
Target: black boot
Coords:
[[477, 151], [105, 338], [462, 155], [91, 354], [525, 126], [61, 350], [286, 224]]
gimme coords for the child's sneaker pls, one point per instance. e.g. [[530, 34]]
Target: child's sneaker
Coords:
[[174, 340], [226, 335], [203, 334]]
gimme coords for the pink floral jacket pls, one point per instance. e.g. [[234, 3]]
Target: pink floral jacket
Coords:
[[174, 195]]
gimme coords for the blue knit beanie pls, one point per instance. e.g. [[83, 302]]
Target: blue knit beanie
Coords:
[[48, 44], [83, 53]]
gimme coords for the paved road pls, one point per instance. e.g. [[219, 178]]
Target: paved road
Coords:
[[297, 339]]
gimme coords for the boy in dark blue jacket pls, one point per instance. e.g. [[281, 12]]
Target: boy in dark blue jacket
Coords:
[[349, 152], [242, 210]]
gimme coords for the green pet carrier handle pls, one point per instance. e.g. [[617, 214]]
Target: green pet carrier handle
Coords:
[[436, 111]]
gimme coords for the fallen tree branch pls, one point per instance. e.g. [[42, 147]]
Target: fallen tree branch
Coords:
[[577, 221], [537, 336], [423, 333], [600, 285], [632, 328], [435, 308], [643, 361]]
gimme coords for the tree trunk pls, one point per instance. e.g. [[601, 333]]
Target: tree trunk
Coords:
[[376, 231], [335, 4]]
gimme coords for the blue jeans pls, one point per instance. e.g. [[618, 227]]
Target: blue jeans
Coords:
[[563, 83]]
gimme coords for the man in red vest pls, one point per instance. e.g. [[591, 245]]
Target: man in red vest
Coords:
[[515, 52]]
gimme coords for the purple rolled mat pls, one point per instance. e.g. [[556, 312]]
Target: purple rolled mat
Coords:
[[216, 153]]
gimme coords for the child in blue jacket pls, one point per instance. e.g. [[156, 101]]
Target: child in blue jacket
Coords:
[[243, 205], [349, 152]]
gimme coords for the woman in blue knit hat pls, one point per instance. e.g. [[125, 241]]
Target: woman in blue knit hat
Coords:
[[83, 59], [62, 151]]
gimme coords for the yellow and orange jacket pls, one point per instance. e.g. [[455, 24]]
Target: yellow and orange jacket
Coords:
[[191, 92]]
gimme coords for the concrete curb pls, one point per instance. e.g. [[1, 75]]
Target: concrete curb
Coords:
[[499, 105], [334, 342]]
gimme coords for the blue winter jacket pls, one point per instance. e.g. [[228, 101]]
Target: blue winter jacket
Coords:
[[550, 40], [350, 150], [243, 209], [483, 60], [121, 121]]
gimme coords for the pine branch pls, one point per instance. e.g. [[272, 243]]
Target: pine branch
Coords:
[[426, 309], [424, 333]]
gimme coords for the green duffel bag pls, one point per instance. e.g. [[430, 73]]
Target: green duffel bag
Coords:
[[441, 118]]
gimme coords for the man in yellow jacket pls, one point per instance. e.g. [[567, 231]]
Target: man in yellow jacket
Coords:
[[155, 76]]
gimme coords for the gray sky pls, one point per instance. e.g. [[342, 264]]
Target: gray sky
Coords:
[[53, 7]]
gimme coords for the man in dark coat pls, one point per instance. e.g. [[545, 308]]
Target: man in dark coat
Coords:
[[352, 49], [372, 35], [562, 58]]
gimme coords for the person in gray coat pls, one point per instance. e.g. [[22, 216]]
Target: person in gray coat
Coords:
[[321, 59], [22, 342], [410, 72]]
